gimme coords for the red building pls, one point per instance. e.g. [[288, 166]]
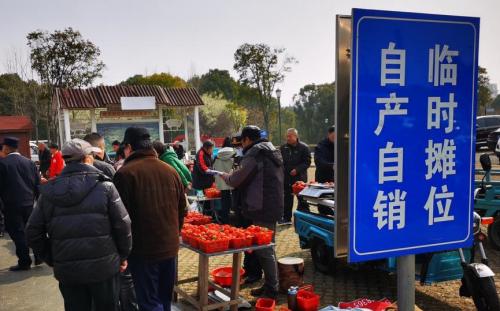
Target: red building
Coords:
[[19, 127]]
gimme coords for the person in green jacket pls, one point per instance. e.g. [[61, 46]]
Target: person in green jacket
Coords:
[[169, 156]]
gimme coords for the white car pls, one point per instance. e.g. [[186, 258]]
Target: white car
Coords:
[[34, 153]]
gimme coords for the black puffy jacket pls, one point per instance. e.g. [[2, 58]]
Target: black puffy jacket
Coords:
[[80, 226]]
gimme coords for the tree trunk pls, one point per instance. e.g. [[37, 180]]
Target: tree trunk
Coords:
[[266, 122], [48, 122]]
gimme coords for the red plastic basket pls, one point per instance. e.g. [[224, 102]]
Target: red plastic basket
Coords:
[[190, 240], [240, 242], [194, 242], [265, 304], [307, 301], [185, 237], [202, 220], [263, 238], [224, 276], [214, 246]]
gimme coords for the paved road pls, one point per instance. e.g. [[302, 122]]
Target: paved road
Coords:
[[37, 289]]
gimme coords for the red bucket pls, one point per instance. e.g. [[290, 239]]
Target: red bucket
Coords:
[[224, 276], [265, 304]]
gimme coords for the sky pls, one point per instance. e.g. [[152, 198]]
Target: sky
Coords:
[[188, 37]]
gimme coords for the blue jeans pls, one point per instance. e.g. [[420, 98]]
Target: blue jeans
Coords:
[[154, 283]]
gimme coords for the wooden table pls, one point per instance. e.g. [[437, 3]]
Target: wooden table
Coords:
[[204, 281]]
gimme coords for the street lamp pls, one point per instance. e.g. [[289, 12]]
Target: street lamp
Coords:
[[278, 95]]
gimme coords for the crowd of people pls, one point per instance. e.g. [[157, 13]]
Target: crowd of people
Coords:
[[110, 227]]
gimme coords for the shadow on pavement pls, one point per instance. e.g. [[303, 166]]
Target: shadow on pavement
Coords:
[[9, 246], [9, 277], [426, 302]]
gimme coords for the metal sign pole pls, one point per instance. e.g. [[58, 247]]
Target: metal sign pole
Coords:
[[406, 283]]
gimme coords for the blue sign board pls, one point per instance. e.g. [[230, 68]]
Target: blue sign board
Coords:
[[413, 104]]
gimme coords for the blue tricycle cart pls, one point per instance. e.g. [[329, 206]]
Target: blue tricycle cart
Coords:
[[488, 204], [315, 229]]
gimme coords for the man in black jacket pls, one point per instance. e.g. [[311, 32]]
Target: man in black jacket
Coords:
[[324, 157], [260, 182], [19, 181], [100, 162], [82, 228], [296, 159]]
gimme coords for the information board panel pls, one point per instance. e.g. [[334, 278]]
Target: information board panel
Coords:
[[412, 147]]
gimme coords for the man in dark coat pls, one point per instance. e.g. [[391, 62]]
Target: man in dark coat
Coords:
[[81, 228], [19, 181], [296, 159], [153, 194], [260, 182], [44, 157], [96, 140], [324, 157]]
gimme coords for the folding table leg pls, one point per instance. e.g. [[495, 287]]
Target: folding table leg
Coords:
[[203, 281], [175, 298], [235, 287]]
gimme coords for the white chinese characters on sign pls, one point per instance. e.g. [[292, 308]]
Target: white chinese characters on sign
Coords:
[[443, 210], [390, 110], [389, 210], [390, 164], [441, 72], [440, 158], [393, 66], [438, 111]]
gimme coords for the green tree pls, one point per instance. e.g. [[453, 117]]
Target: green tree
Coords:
[[315, 109], [484, 92], [261, 68], [220, 117], [163, 79], [63, 58], [217, 82], [496, 103], [19, 97], [288, 120]]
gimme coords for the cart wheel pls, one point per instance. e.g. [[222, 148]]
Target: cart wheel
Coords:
[[485, 296], [322, 256], [494, 234]]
